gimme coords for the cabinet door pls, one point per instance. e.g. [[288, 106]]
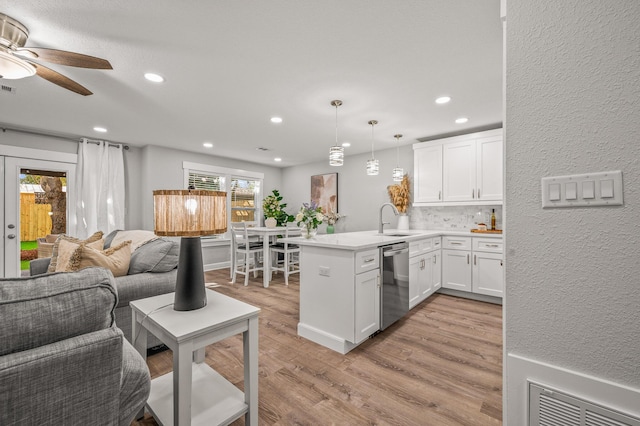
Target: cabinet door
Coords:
[[459, 171], [426, 283], [489, 169], [488, 275], [436, 270], [427, 172], [367, 313], [415, 276], [456, 269]]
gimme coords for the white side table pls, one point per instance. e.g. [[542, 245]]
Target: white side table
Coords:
[[194, 393]]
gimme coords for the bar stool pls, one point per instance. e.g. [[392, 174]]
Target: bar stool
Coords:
[[290, 263], [244, 255]]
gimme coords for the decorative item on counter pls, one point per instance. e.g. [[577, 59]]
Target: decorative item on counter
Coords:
[[308, 218], [331, 218], [482, 227], [400, 196], [274, 213], [493, 219]]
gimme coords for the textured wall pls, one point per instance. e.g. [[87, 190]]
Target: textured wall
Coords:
[[573, 106]]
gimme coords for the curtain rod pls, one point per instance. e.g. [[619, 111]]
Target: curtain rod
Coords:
[[53, 135]]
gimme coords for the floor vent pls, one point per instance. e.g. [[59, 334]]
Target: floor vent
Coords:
[[7, 89], [548, 407]]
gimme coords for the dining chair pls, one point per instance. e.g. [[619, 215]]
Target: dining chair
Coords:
[[290, 263], [244, 253]]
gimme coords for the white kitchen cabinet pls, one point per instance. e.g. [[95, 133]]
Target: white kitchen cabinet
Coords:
[[367, 309], [456, 269], [424, 269], [462, 170], [488, 275], [427, 174]]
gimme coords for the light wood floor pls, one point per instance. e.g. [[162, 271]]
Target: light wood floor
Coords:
[[440, 365]]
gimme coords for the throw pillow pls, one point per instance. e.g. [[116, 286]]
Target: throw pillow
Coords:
[[159, 255], [95, 238], [116, 258], [138, 237]]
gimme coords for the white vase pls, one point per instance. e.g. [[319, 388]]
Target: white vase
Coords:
[[403, 221], [270, 222]]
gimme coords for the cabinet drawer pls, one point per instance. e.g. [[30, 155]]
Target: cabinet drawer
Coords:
[[436, 243], [419, 247], [491, 245], [367, 260], [456, 243]]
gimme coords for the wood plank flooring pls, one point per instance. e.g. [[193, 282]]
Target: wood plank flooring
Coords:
[[440, 365]]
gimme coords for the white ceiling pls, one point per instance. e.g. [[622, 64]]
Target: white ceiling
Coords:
[[232, 65]]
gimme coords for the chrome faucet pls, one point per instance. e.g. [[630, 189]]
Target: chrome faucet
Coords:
[[381, 224]]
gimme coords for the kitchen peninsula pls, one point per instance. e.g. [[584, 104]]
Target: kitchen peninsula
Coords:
[[340, 279]]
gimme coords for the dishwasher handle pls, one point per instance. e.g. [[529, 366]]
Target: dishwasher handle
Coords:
[[390, 253]]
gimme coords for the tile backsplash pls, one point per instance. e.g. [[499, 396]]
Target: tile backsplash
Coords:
[[456, 218]]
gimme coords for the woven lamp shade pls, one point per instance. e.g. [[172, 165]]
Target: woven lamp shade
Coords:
[[189, 212]]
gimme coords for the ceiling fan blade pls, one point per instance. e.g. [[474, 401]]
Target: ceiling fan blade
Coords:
[[59, 79], [63, 57]]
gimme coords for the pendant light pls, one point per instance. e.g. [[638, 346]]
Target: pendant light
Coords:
[[373, 166], [336, 152], [398, 172]]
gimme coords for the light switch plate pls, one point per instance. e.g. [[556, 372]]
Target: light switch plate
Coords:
[[584, 190]]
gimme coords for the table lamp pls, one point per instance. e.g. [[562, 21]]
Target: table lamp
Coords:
[[189, 214]]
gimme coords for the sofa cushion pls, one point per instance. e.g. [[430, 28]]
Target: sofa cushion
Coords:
[[159, 255], [54, 257], [48, 308], [67, 257]]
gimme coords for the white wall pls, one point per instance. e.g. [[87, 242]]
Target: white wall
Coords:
[[573, 106]]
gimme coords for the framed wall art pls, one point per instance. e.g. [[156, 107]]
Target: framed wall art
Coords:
[[324, 191]]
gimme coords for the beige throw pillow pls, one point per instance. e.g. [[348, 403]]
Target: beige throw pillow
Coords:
[[96, 238], [67, 250], [138, 237], [116, 259]]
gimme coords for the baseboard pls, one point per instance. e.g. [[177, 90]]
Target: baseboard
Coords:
[[472, 296], [215, 266]]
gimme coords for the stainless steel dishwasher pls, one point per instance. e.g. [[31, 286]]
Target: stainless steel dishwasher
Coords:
[[394, 292]]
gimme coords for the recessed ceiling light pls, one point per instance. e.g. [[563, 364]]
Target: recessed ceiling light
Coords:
[[461, 120], [100, 129], [276, 120], [207, 145], [156, 78], [443, 99], [346, 144], [277, 159]]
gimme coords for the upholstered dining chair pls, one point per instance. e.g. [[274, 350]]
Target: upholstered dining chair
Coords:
[[290, 263], [244, 253]]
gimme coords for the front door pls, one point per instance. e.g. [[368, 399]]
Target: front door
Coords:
[[43, 182]]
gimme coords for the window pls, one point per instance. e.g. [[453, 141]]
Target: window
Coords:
[[243, 190]]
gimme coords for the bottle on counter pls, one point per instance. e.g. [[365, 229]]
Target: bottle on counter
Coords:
[[493, 219]]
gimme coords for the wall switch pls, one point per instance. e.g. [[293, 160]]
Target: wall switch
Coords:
[[584, 190], [324, 271]]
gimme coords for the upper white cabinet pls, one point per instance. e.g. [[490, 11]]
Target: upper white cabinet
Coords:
[[461, 170]]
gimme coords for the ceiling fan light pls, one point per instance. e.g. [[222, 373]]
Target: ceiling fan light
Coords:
[[13, 68]]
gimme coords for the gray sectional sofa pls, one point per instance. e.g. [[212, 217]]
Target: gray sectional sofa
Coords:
[[152, 271]]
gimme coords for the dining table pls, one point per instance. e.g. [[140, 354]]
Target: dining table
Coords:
[[265, 233]]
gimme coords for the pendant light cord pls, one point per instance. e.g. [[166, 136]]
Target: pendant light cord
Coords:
[[336, 124]]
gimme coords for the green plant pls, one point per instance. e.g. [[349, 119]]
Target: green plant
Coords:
[[272, 207]]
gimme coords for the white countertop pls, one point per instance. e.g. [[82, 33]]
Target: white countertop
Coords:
[[369, 239]]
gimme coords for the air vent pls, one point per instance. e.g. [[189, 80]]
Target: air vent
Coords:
[[261, 148], [8, 89], [548, 407]]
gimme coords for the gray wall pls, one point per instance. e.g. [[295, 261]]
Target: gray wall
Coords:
[[359, 195], [572, 106]]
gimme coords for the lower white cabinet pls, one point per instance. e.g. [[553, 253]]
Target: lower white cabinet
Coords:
[[473, 264], [367, 306], [424, 269]]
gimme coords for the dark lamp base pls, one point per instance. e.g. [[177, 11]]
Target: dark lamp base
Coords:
[[190, 292]]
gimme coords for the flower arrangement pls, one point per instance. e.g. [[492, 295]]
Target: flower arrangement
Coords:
[[332, 217], [310, 216], [400, 194], [272, 207]]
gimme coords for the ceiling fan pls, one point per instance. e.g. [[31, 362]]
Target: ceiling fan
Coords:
[[16, 61]]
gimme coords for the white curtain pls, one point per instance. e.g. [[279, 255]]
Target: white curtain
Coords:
[[100, 188]]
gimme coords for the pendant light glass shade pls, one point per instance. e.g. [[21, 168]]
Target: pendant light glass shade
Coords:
[[336, 152], [373, 165], [398, 172]]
